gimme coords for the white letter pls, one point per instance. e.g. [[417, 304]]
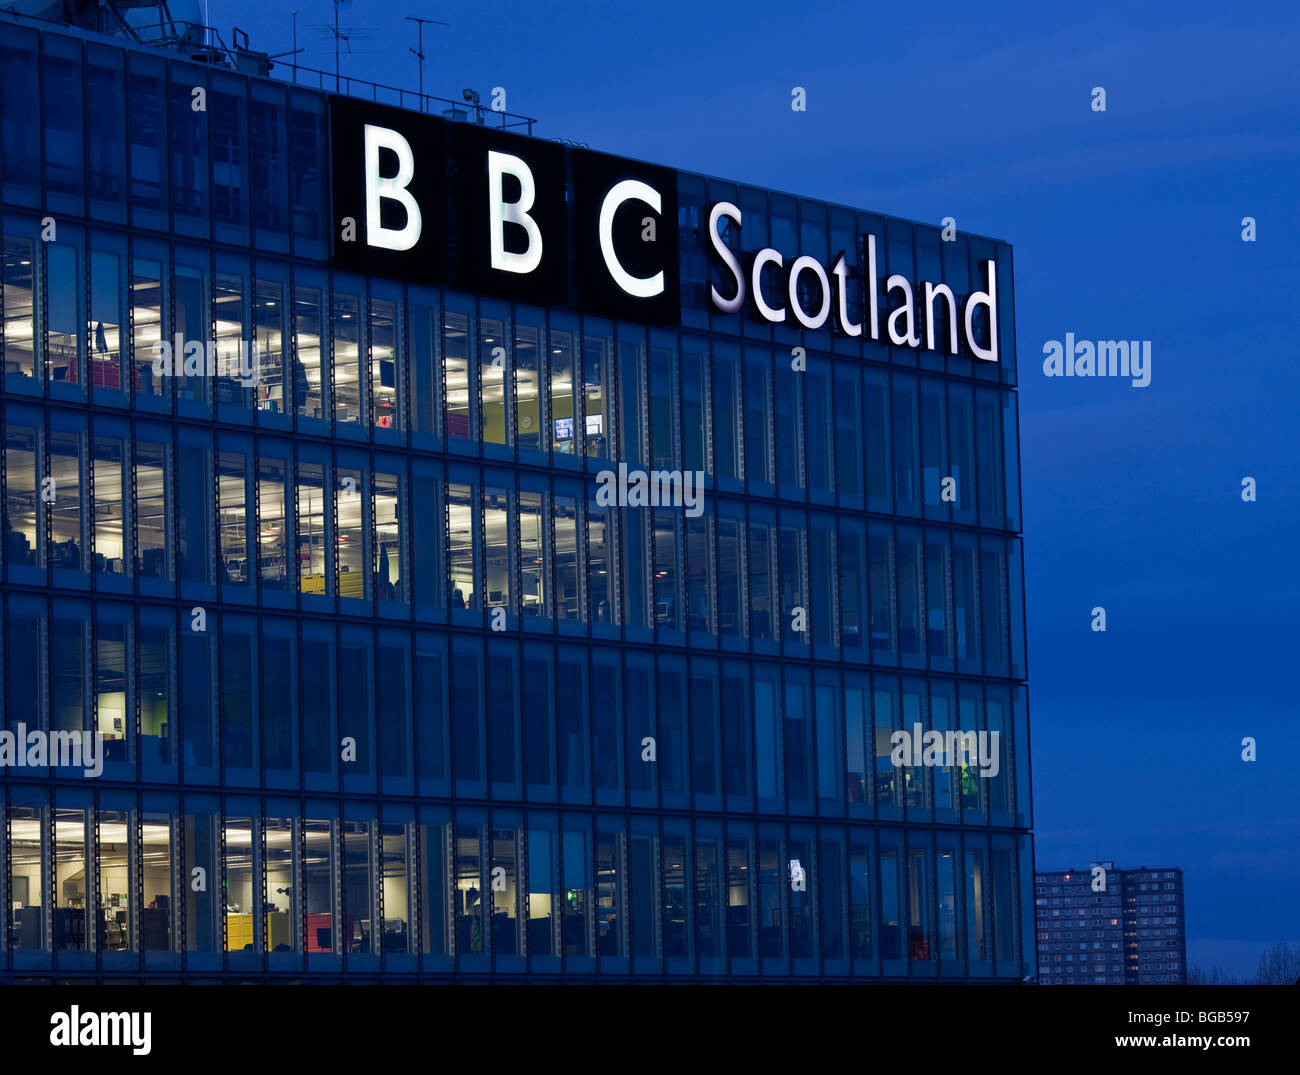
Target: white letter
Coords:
[[1054, 363], [140, 1038], [378, 187], [638, 286], [727, 306], [931, 290], [760, 259], [92, 753], [801, 263], [840, 271], [501, 213], [909, 338], [987, 298], [606, 495], [991, 762]]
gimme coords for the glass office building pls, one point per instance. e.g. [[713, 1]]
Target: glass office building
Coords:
[[386, 690]]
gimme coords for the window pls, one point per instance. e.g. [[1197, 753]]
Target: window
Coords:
[[274, 467], [352, 536], [19, 282], [564, 433], [189, 176], [457, 314], [727, 466], [20, 130], [65, 316], [24, 518], [315, 509], [462, 526], [307, 172], [732, 621], [113, 676], [269, 165], [391, 586], [153, 464], [758, 421], [495, 365], [228, 130], [64, 84], [665, 450], [236, 558], [346, 324], [270, 343], [194, 486], [601, 560], [193, 324], [105, 331], [387, 365], [695, 407], [310, 384]]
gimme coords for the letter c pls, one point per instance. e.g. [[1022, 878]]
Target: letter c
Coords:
[[767, 254], [641, 287]]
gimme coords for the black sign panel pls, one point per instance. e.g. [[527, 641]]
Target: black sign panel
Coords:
[[627, 248], [358, 247], [510, 216], [423, 199]]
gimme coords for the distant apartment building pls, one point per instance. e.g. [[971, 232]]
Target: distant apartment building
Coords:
[[1109, 926]]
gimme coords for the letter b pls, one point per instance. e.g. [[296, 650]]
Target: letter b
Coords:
[[501, 212], [393, 188]]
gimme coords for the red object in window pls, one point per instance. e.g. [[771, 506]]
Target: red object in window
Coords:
[[105, 374]]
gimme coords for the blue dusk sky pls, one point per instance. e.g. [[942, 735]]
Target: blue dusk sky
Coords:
[[1126, 224]]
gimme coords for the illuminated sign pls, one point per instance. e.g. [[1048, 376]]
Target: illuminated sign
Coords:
[[419, 198], [776, 293], [422, 199]]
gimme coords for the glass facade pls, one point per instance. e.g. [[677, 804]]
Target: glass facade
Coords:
[[368, 655]]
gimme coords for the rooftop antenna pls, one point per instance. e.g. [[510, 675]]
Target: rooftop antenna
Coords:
[[336, 43], [418, 51], [343, 35]]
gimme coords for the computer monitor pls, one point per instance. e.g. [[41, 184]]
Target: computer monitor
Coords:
[[564, 429]]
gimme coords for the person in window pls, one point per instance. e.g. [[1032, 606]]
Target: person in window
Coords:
[[457, 597], [301, 385], [383, 584]]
